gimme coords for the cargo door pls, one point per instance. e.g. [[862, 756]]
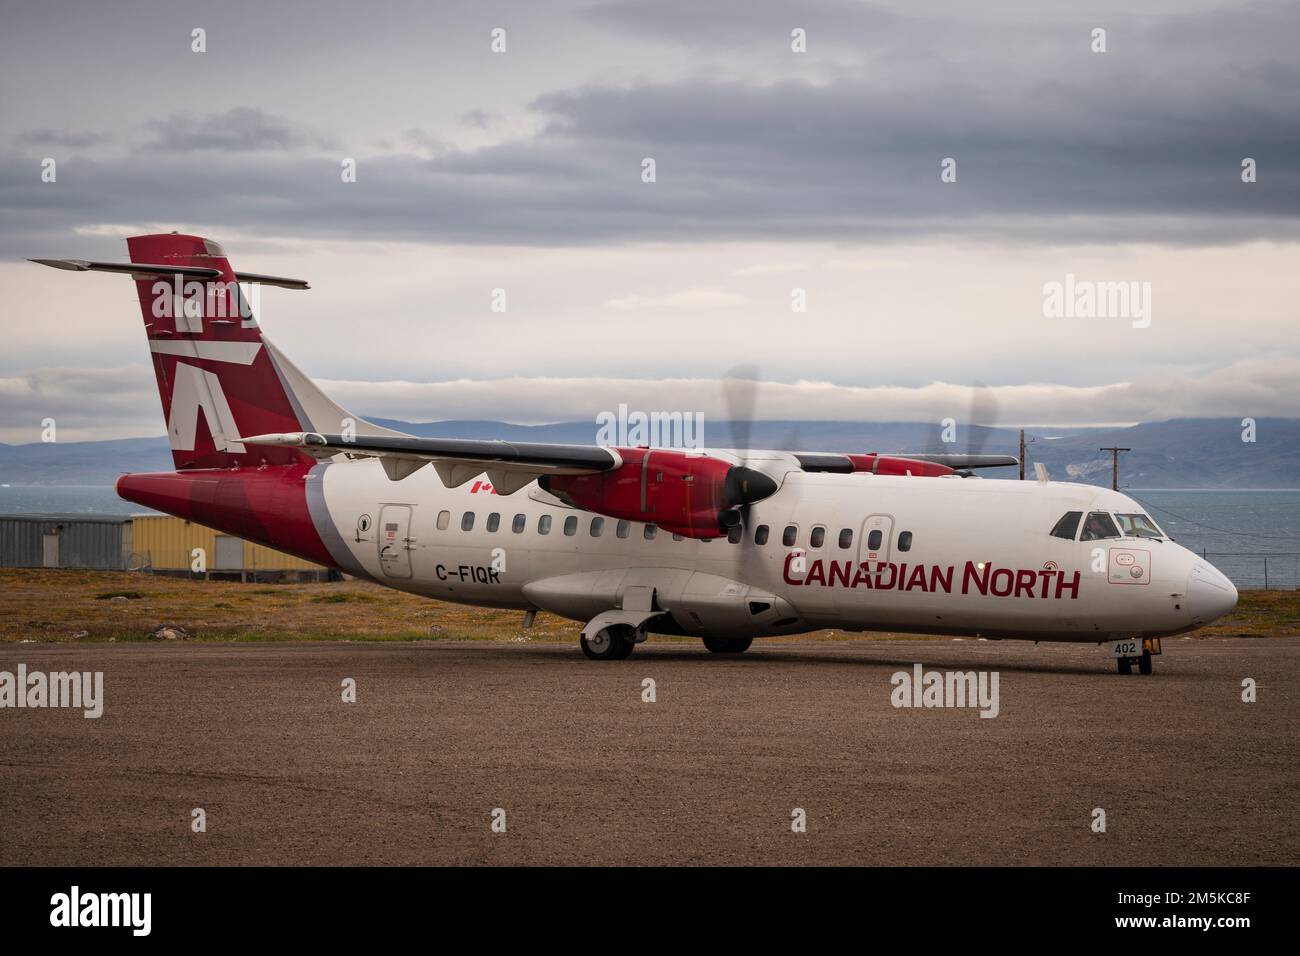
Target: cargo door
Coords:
[[395, 542]]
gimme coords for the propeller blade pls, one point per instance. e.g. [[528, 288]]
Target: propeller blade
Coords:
[[983, 418], [740, 394]]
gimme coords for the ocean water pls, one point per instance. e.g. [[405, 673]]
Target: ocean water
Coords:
[[1251, 536], [65, 499]]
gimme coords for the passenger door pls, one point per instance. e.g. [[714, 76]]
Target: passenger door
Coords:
[[876, 540]]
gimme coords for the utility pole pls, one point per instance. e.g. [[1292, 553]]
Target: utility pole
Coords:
[[1022, 454], [1114, 473]]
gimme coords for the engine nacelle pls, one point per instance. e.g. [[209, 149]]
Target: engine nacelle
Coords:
[[894, 465], [687, 494]]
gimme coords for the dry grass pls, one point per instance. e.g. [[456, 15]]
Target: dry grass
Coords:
[[70, 605]]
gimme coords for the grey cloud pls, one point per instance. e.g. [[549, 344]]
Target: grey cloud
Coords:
[[85, 403], [480, 119], [126, 402], [1052, 144], [242, 129], [71, 139]]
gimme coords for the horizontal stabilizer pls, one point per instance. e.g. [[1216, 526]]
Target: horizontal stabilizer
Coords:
[[157, 269]]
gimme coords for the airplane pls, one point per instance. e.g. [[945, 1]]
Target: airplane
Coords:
[[722, 545]]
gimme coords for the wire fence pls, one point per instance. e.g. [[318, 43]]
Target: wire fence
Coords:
[[1257, 569]]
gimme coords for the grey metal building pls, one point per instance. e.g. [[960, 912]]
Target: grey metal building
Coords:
[[65, 541]]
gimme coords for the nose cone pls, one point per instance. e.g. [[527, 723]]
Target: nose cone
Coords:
[[1209, 594], [746, 485]]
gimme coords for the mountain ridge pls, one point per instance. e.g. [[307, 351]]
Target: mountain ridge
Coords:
[[1179, 453]]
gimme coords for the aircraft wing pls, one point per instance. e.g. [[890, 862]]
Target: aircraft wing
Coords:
[[962, 462], [846, 464], [509, 465]]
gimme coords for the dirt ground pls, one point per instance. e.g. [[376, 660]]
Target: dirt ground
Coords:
[[586, 771], [74, 605]]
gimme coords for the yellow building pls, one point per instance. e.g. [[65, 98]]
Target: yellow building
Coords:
[[166, 544]]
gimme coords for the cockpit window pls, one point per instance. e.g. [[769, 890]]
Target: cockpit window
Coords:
[[1068, 526], [1138, 526], [1098, 525]]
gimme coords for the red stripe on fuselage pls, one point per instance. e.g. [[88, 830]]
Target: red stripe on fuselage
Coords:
[[265, 505]]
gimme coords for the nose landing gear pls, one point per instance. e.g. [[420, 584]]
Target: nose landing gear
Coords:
[[1126, 659]]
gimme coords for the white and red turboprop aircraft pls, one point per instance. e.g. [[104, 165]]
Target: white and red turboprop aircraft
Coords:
[[724, 545]]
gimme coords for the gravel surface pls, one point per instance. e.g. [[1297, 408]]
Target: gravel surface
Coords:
[[587, 772]]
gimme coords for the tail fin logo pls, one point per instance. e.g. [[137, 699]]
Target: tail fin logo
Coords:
[[196, 390]]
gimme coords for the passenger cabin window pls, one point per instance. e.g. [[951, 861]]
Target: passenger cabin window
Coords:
[[544, 524], [623, 529], [735, 533], [597, 527], [444, 519], [676, 536], [494, 521], [570, 526], [650, 532], [1068, 526], [1138, 526], [517, 526], [846, 539], [760, 534], [905, 541], [1098, 525], [874, 539], [818, 537], [467, 521], [789, 536]]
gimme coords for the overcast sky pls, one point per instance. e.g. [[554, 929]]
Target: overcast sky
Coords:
[[776, 171]]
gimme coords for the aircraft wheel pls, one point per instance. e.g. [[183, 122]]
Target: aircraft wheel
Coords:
[[728, 645], [1144, 663], [1125, 665], [608, 644]]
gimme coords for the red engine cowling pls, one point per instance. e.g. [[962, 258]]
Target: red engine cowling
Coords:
[[691, 495], [893, 465]]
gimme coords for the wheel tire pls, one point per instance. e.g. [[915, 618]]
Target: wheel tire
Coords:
[[608, 644], [1125, 666], [728, 645], [1144, 663]]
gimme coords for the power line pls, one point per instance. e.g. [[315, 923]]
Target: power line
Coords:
[[1208, 527], [1114, 474]]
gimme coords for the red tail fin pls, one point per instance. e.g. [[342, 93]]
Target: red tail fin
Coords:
[[216, 376]]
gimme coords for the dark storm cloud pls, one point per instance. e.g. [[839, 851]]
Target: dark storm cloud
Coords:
[[1052, 142]]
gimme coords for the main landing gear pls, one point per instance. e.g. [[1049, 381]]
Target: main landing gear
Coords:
[[728, 645], [612, 643]]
